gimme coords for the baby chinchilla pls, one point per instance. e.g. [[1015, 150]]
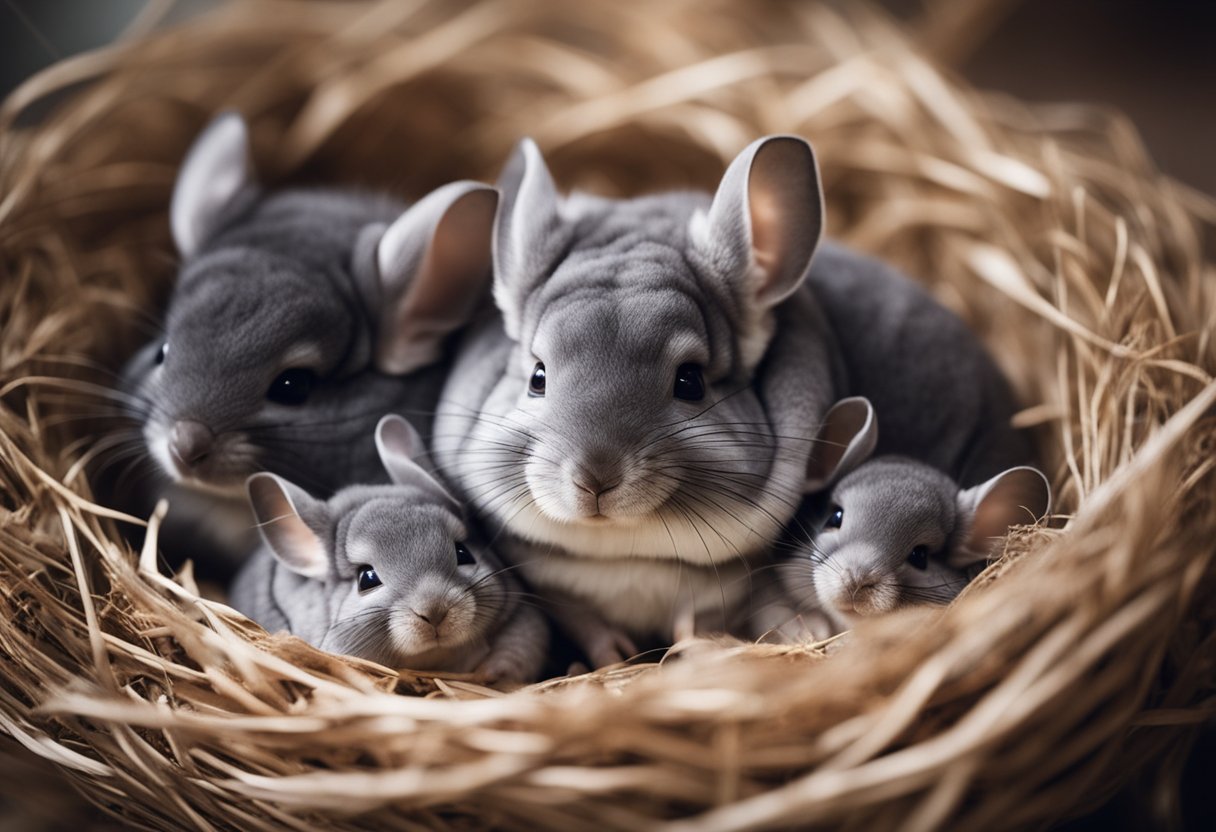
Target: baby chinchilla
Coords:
[[297, 319], [888, 531], [389, 573]]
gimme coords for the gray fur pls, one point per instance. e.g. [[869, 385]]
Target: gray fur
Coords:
[[889, 506], [277, 282], [612, 296], [942, 398], [304, 578], [359, 290]]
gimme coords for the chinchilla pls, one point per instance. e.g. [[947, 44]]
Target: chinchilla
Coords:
[[638, 417], [389, 573], [297, 319], [883, 532], [635, 421]]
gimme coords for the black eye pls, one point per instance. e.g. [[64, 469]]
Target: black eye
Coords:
[[536, 384], [162, 352], [835, 519], [919, 557], [463, 556], [292, 386], [690, 386], [368, 579]]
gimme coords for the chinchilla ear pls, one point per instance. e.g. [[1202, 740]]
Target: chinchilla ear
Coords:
[[765, 221], [400, 447], [431, 271], [281, 509], [403, 453], [217, 169], [529, 233], [1019, 496], [846, 439]]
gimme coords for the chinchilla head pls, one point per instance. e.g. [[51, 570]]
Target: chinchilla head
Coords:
[[298, 318], [402, 577], [638, 327], [891, 531]]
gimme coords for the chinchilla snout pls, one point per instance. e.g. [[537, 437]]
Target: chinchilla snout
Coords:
[[190, 443], [592, 480], [595, 484], [866, 593], [851, 585], [195, 454], [435, 614], [597, 472]]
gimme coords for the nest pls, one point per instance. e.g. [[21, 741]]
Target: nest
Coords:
[[1082, 656]]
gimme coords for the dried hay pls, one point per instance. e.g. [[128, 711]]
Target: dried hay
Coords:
[[1084, 654]]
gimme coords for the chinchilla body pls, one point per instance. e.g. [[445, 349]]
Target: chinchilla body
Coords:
[[636, 421], [299, 317], [942, 398], [271, 292]]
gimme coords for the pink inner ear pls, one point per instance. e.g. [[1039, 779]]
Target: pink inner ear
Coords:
[[1018, 498], [784, 207], [459, 249], [764, 213], [308, 555], [448, 285], [845, 423], [291, 539]]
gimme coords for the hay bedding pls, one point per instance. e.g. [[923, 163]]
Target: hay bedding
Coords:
[[1083, 655]]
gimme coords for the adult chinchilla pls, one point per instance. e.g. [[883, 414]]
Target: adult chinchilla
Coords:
[[638, 419], [298, 318]]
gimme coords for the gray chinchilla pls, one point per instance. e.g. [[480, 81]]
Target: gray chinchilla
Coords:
[[298, 318], [884, 532], [638, 419], [388, 573]]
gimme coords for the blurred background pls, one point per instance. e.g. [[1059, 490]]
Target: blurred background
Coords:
[[1151, 59]]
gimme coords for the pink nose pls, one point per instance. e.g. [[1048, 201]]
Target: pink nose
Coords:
[[855, 594], [433, 613], [190, 442], [593, 483], [597, 473]]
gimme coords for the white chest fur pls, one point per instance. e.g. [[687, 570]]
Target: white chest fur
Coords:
[[644, 596], [716, 539]]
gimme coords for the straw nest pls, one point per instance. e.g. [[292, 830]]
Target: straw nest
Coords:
[[1083, 655]]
